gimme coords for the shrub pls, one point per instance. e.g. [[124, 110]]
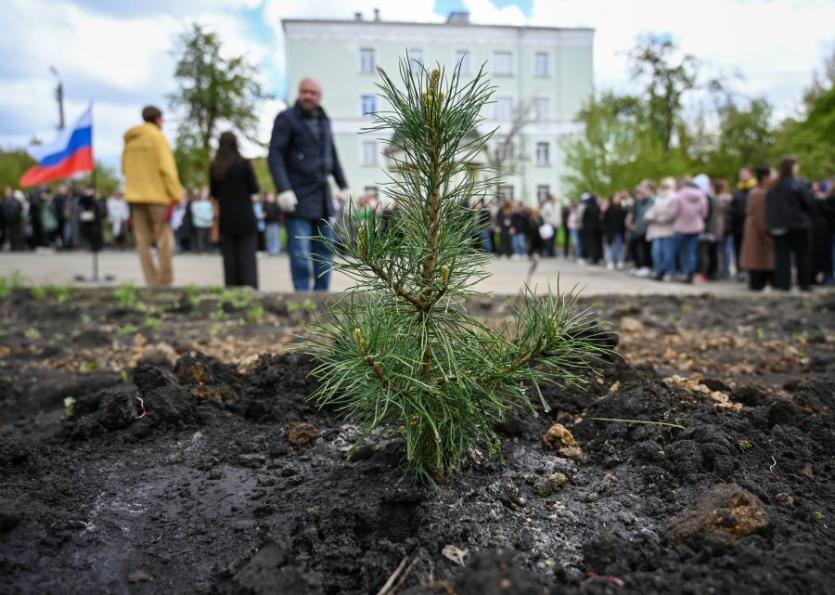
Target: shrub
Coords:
[[400, 348]]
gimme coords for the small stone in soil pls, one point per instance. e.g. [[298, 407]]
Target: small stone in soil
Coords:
[[140, 576], [300, 433], [548, 486], [723, 509]]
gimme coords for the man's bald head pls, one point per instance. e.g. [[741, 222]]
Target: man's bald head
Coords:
[[310, 94]]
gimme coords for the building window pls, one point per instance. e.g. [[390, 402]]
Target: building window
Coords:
[[540, 108], [416, 56], [503, 108], [368, 104], [503, 63], [542, 153], [369, 152], [543, 191], [504, 150], [463, 57], [506, 192], [540, 64], [367, 62]]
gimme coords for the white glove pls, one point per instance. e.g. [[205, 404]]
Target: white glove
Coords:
[[287, 201], [343, 195]]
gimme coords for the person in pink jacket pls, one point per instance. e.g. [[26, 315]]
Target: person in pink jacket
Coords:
[[689, 211]]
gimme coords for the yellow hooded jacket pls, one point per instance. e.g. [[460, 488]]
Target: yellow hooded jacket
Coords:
[[149, 168]]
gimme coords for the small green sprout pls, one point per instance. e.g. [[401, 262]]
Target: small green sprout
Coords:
[[69, 407]]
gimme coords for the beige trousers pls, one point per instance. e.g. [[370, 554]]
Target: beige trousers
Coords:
[[150, 227]]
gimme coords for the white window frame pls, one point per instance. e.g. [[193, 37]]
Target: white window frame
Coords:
[[369, 159], [539, 161], [363, 97], [363, 69], [536, 65], [465, 58], [497, 66], [539, 103], [503, 188], [499, 146], [498, 112]]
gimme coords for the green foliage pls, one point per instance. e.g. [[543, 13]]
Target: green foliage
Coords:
[[617, 149], [152, 323], [127, 296], [263, 175], [400, 348], [5, 288], [213, 91], [60, 293], [628, 138], [12, 166], [127, 330], [811, 140], [32, 333]]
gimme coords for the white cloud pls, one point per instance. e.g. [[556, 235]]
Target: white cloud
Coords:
[[484, 12], [774, 44], [118, 53]]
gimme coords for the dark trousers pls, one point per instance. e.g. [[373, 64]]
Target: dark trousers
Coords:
[[240, 266], [797, 243], [757, 280], [641, 251], [591, 245], [566, 241]]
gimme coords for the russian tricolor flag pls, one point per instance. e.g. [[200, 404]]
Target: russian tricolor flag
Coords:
[[70, 153]]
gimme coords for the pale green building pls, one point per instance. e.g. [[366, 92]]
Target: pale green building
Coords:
[[543, 76]]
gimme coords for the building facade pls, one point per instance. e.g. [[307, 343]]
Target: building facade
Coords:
[[542, 76]]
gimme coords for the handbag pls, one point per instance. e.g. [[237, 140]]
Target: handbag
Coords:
[[546, 231]]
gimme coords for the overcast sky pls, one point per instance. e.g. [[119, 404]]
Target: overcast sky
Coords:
[[117, 52]]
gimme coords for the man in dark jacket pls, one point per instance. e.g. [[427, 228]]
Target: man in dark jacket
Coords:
[[302, 156]]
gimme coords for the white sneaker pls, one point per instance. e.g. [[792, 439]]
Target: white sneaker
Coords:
[[642, 272], [610, 266]]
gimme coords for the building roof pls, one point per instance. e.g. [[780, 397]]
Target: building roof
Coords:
[[444, 25]]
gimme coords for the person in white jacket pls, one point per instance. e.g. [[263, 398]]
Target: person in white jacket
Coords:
[[660, 230], [551, 213]]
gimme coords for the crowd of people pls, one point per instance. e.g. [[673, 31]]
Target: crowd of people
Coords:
[[691, 230]]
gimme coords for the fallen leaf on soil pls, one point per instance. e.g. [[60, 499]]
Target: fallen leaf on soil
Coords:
[[300, 433], [631, 325], [615, 387], [558, 436], [694, 384], [454, 554]]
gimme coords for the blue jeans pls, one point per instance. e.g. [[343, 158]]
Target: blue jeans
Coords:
[[614, 250], [487, 240], [685, 244], [575, 242], [273, 241], [308, 255], [664, 256], [519, 246]]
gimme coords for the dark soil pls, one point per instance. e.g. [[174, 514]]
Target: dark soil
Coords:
[[186, 472]]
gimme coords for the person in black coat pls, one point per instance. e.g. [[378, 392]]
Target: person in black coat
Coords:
[[788, 210], [591, 232], [301, 157], [823, 218], [505, 229], [232, 183], [614, 231]]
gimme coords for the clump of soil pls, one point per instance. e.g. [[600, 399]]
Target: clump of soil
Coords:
[[186, 472]]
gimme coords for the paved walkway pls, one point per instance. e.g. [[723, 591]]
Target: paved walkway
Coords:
[[508, 276]]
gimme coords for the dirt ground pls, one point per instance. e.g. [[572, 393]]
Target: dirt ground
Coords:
[[188, 459]]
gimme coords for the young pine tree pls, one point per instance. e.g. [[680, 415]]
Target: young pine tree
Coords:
[[401, 348]]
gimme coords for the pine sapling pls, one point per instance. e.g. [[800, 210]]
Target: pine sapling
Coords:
[[400, 348]]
